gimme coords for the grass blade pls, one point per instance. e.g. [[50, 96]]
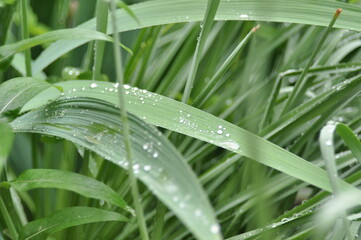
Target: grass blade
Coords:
[[328, 154], [208, 89], [126, 132], [303, 11], [206, 26], [62, 34], [94, 124], [65, 218], [49, 178], [301, 83], [15, 93], [193, 122], [350, 139]]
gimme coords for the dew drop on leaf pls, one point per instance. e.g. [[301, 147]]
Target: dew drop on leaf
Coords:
[[93, 85]]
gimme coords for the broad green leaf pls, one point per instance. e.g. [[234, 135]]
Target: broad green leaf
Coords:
[[50, 178], [95, 125], [193, 122], [152, 13], [350, 139], [6, 141], [15, 93], [84, 34], [65, 218]]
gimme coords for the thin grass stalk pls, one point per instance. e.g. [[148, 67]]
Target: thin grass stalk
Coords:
[[208, 90], [8, 220], [206, 25], [301, 84], [159, 221], [101, 26], [25, 35], [126, 132]]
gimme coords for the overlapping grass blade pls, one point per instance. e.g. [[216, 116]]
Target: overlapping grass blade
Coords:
[[94, 124], [328, 154], [193, 122], [164, 12], [206, 25], [65, 218], [350, 139], [50, 178], [15, 93], [6, 142], [84, 34]]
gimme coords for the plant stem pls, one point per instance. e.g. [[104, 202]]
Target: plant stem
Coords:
[[8, 220], [126, 132], [206, 25], [101, 26], [301, 84], [208, 90], [25, 35], [159, 221]]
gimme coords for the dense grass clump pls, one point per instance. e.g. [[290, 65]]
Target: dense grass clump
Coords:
[[200, 119]]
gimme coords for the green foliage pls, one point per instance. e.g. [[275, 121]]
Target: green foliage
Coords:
[[233, 133]]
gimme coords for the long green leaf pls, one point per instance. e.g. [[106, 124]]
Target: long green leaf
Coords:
[[6, 142], [42, 228], [50, 178], [152, 13], [83, 34], [193, 122], [350, 139], [94, 124], [15, 93]]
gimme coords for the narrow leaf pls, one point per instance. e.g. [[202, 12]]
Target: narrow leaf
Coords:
[[350, 139], [15, 93], [49, 178], [65, 218]]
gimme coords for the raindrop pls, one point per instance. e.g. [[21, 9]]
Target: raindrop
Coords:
[[126, 86], [230, 144], [243, 16], [147, 167], [116, 85], [328, 142], [145, 146], [215, 228], [198, 213], [155, 154], [219, 131], [93, 85]]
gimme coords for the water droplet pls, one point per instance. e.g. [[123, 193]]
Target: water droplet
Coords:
[[328, 142], [243, 16], [116, 85], [145, 146], [215, 228], [93, 85], [136, 166], [230, 144], [219, 131], [155, 154], [198, 213], [147, 167], [126, 86]]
